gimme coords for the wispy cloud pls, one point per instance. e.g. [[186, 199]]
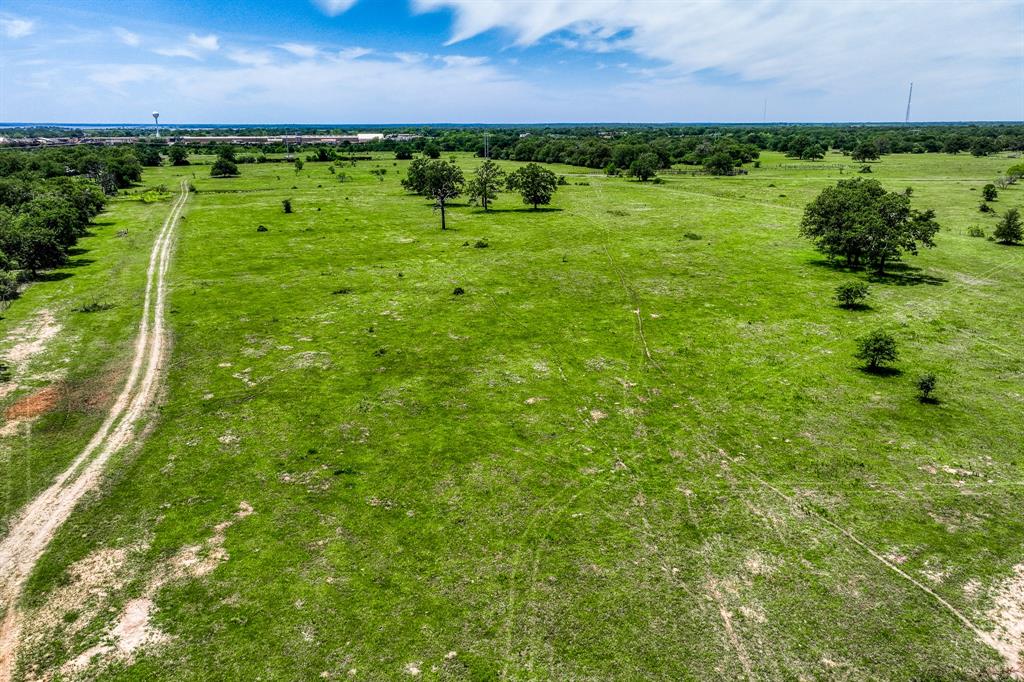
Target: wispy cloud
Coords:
[[127, 37], [335, 7], [14, 27], [194, 48], [299, 49], [250, 57]]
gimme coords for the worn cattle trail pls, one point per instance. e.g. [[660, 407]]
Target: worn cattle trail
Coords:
[[34, 527]]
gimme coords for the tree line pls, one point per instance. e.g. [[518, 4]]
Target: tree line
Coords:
[[48, 198]]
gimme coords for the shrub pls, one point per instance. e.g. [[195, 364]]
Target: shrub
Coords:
[[865, 169], [925, 387], [692, 235], [562, 180], [287, 205], [989, 192], [481, 244], [851, 294], [985, 208], [93, 306], [458, 291], [261, 228], [5, 372], [1009, 229], [975, 231], [877, 349]]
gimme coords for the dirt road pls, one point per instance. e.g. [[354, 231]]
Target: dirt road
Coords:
[[35, 526]]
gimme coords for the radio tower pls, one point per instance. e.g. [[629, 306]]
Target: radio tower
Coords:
[[156, 122], [906, 119]]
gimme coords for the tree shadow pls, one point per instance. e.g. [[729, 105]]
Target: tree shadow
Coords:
[[885, 372], [905, 275], [79, 262], [899, 274], [929, 400], [52, 276], [77, 251], [856, 307], [527, 209], [102, 223]]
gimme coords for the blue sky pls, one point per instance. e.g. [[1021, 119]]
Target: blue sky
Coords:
[[393, 61]]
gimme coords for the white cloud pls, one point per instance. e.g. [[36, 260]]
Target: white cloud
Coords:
[[335, 7], [127, 37], [250, 57], [13, 27], [299, 49], [834, 46], [177, 52], [353, 52], [208, 43]]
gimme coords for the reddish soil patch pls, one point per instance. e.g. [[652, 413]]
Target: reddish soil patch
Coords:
[[40, 402]]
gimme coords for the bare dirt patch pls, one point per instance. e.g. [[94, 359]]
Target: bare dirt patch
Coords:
[[1007, 614], [28, 341], [34, 405]]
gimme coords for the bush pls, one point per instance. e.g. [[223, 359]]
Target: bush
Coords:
[[925, 387], [985, 208], [989, 192], [287, 205], [458, 291], [865, 169], [851, 294], [261, 228], [481, 244], [975, 231], [223, 168], [1009, 230], [877, 349], [692, 235]]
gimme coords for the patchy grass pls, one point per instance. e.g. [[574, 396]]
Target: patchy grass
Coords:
[[618, 455]]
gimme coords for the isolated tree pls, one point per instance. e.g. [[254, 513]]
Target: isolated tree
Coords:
[[226, 151], [298, 164], [223, 168], [416, 177], [859, 221], [989, 192], [178, 155], [403, 152], [534, 183], [813, 153], [431, 150], [925, 387], [719, 163], [645, 166], [485, 182], [851, 294], [286, 204], [865, 151], [443, 182], [876, 349], [1009, 230]]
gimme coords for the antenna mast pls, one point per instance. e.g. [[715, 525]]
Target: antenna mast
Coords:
[[906, 119], [486, 147]]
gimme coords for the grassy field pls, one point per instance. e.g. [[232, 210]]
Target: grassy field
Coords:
[[638, 446]]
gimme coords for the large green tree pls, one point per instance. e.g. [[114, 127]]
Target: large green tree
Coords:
[[1009, 230], [485, 182], [645, 166], [859, 221], [534, 183]]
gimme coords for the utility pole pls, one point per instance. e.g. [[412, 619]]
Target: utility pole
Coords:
[[487, 150], [906, 119]]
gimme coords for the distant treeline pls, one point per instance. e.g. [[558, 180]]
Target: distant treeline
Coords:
[[47, 200]]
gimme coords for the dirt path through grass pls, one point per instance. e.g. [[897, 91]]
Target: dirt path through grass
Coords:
[[36, 525]]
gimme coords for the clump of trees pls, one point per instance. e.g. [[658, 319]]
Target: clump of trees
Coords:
[[645, 166], [536, 184], [178, 155], [225, 165], [858, 221]]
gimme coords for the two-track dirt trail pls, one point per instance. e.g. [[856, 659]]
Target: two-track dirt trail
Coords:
[[31, 531]]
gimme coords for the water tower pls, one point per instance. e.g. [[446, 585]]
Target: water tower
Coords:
[[156, 122]]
